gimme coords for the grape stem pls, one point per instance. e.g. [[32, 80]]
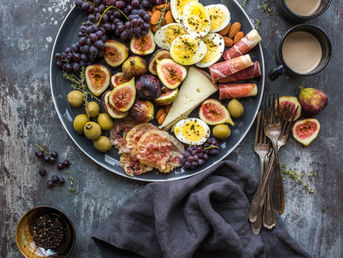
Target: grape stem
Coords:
[[108, 8], [41, 148]]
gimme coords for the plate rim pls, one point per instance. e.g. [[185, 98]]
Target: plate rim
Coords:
[[137, 178]]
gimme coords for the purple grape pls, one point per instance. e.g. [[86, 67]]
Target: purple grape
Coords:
[[93, 51], [76, 67], [93, 37], [135, 3], [58, 56], [50, 184], [66, 163], [61, 181], [39, 154], [55, 179], [101, 8], [54, 154], [201, 162], [205, 156], [43, 172], [187, 164], [46, 158], [99, 44]]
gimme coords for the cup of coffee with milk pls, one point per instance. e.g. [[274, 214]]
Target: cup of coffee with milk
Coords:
[[304, 50], [302, 10]]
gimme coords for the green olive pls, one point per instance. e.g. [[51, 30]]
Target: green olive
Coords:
[[235, 108], [75, 98], [221, 131], [92, 130], [79, 122], [92, 109], [105, 121], [102, 144]]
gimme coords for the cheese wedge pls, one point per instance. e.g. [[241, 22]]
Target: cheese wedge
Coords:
[[195, 89]]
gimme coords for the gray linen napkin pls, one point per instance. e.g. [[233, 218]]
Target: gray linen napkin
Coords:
[[202, 216]]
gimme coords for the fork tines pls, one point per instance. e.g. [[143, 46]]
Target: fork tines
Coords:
[[271, 108]]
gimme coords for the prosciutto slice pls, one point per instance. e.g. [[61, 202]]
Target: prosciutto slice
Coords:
[[242, 90], [251, 72], [229, 67], [243, 46]]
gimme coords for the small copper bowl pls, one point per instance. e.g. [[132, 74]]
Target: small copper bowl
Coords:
[[24, 239]]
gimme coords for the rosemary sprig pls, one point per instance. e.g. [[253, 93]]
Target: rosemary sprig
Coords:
[[79, 83], [163, 13], [258, 24], [243, 3], [297, 177], [266, 8]]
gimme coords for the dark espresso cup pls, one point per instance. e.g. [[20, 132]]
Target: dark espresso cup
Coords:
[[294, 13], [304, 50]]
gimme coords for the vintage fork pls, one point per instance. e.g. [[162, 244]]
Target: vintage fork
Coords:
[[272, 129], [262, 148], [288, 113]]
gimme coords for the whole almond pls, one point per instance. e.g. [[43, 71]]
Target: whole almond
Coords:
[[235, 28], [155, 17], [238, 37], [225, 31], [169, 17], [161, 119], [228, 42]]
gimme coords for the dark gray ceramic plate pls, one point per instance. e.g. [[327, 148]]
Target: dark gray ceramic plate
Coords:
[[67, 35]]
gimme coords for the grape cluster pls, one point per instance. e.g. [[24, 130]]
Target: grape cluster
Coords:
[[195, 156], [122, 19]]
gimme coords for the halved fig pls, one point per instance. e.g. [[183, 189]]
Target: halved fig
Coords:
[[123, 96], [167, 96], [159, 55], [144, 45], [109, 109], [134, 66], [97, 78], [213, 113], [117, 79], [286, 101], [170, 73], [142, 111], [306, 130], [115, 53]]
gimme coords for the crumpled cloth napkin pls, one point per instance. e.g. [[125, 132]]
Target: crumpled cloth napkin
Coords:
[[203, 216]]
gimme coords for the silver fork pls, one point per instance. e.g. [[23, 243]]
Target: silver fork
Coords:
[[272, 129], [288, 113], [262, 148]]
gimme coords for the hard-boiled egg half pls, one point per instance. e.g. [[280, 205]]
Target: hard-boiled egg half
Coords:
[[192, 131], [187, 50], [215, 48], [196, 19], [165, 36], [177, 7], [219, 16]]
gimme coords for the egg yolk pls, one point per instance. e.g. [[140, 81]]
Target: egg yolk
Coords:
[[217, 17], [193, 132], [180, 5], [197, 19], [172, 32], [185, 47], [212, 51]]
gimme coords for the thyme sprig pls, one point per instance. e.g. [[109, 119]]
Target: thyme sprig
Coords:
[[243, 3], [163, 13], [297, 177], [71, 189], [266, 8]]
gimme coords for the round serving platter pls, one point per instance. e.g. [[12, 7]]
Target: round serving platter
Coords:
[[67, 35]]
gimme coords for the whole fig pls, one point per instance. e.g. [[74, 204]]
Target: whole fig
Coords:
[[148, 87], [142, 111], [312, 100]]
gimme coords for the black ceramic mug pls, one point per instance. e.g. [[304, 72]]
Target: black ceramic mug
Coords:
[[285, 11], [325, 45]]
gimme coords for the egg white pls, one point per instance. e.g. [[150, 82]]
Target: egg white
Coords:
[[165, 36], [196, 19], [216, 10], [179, 132], [215, 49], [177, 7], [187, 50]]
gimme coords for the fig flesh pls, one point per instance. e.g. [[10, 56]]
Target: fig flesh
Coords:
[[144, 45], [170, 73], [142, 111], [134, 66], [306, 130], [115, 53], [167, 96], [97, 78], [117, 79], [148, 87], [109, 109], [312, 100], [289, 102], [159, 55], [213, 113], [123, 96]]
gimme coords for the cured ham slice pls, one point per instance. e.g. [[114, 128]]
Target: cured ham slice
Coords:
[[243, 46], [118, 134], [132, 166], [229, 67], [230, 91], [133, 136], [251, 72]]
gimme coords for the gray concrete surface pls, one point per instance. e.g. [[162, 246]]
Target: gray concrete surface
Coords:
[[27, 117]]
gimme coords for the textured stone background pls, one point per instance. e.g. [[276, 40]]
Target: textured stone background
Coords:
[[27, 116]]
